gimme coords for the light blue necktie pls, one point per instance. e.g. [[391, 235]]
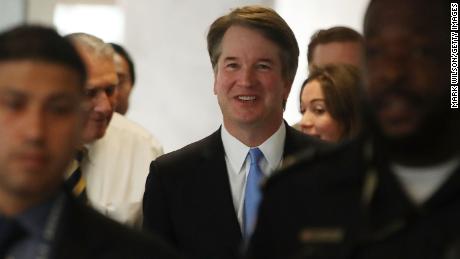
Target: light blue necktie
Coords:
[[253, 194]]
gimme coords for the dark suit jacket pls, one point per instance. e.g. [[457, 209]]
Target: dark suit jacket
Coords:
[[344, 205], [188, 198], [84, 233]]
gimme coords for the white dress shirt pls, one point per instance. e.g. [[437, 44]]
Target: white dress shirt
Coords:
[[238, 162], [116, 169], [420, 183]]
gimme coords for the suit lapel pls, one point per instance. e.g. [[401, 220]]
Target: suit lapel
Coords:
[[214, 197], [71, 234], [296, 141], [289, 142]]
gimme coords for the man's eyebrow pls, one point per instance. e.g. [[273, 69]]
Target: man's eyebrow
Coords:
[[53, 97], [62, 96], [8, 90], [268, 60], [100, 87], [230, 58]]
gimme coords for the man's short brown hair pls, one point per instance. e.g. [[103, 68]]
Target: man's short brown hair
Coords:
[[334, 34], [262, 19]]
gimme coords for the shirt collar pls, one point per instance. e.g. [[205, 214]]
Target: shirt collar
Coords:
[[89, 150], [272, 148], [34, 219]]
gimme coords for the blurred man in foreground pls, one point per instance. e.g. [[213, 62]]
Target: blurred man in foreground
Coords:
[[395, 192], [42, 82]]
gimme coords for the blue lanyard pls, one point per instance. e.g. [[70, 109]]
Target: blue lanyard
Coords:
[[49, 232]]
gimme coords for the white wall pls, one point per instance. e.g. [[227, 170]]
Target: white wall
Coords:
[[12, 12], [40, 11]]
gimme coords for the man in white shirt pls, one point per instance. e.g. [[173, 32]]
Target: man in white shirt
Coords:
[[118, 154], [203, 197]]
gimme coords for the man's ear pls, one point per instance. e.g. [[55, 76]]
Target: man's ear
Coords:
[[287, 90], [215, 80]]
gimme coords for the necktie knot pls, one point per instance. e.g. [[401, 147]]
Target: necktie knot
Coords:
[[81, 154], [255, 155]]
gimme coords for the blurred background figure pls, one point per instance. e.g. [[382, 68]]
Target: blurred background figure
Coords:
[[124, 66], [330, 103], [117, 151], [336, 45], [101, 87]]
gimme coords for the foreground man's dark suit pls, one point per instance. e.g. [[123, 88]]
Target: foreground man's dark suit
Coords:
[[83, 233], [188, 200], [334, 207]]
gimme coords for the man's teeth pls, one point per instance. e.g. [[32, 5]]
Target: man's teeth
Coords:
[[247, 98]]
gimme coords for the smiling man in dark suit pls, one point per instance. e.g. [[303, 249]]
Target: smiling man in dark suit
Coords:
[[204, 197]]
